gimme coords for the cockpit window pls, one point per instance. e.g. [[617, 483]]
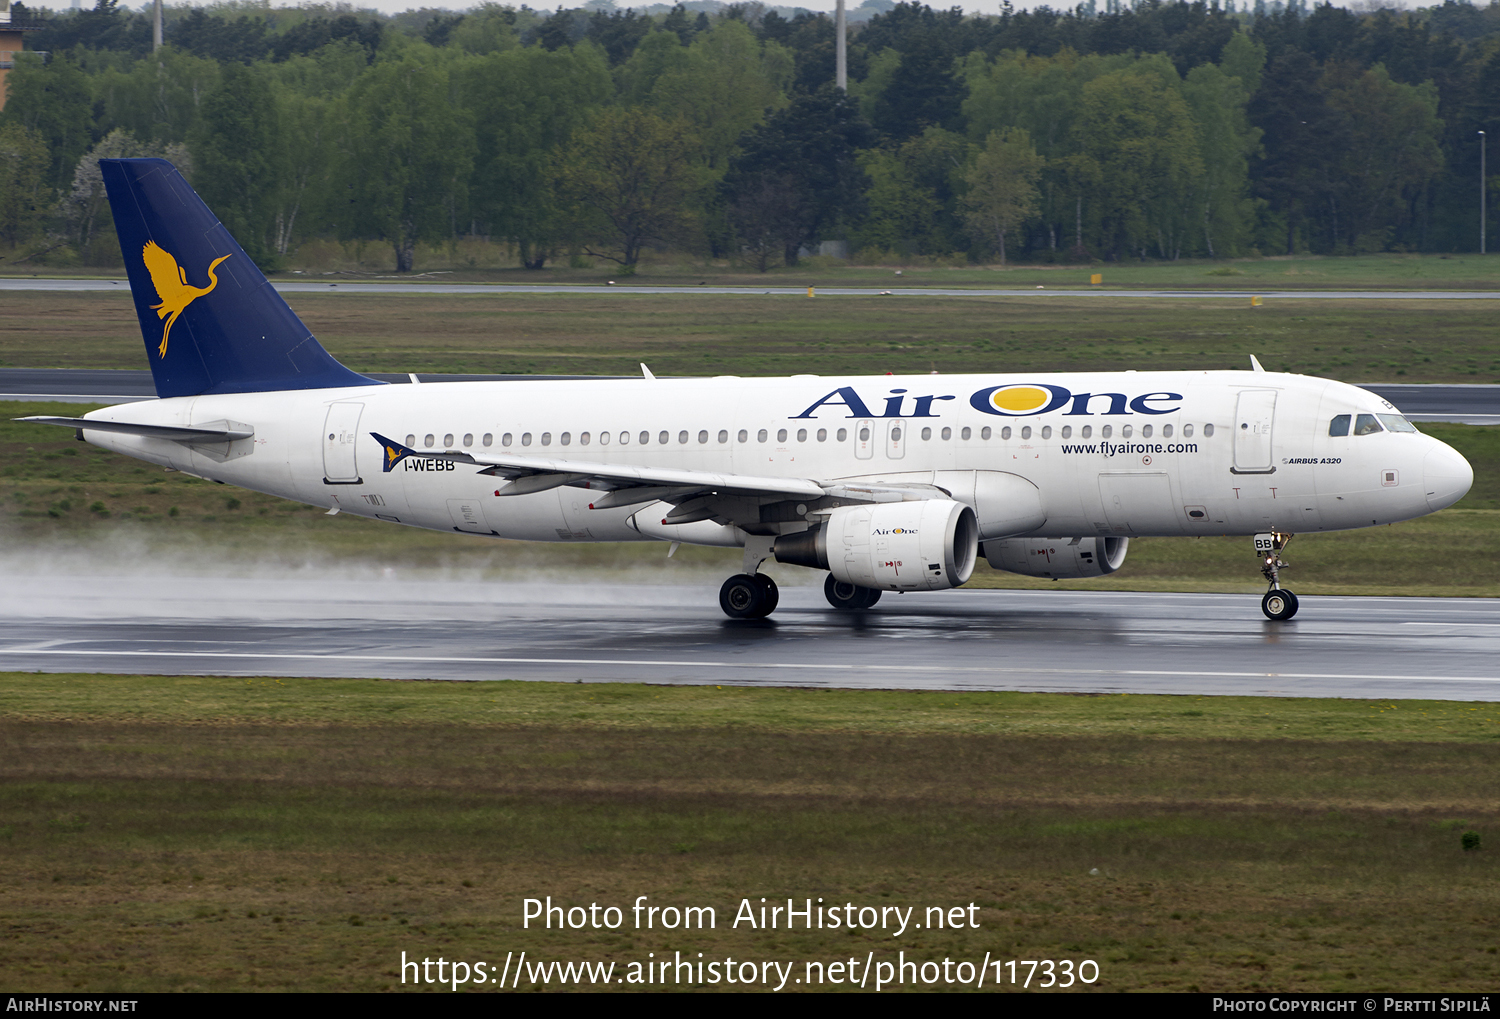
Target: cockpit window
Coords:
[[1396, 423], [1339, 425], [1366, 424]]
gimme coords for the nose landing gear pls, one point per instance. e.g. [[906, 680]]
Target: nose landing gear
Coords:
[[1279, 603]]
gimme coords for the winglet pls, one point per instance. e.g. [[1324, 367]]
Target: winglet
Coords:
[[1255, 364], [646, 372]]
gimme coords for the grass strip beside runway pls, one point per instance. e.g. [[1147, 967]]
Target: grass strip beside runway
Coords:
[[224, 833], [1408, 341]]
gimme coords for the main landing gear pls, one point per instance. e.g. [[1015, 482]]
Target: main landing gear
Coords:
[[749, 596], [753, 595], [1279, 603], [842, 595]]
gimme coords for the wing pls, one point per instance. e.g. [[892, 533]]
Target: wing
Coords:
[[165, 276], [750, 501]]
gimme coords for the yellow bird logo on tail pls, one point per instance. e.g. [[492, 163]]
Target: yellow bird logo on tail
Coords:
[[172, 286]]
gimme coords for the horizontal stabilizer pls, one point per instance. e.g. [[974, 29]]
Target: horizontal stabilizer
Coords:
[[176, 433]]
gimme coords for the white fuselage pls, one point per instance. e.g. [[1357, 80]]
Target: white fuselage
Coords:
[[1123, 453]]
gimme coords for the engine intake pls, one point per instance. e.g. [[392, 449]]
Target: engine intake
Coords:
[[1058, 558], [927, 545]]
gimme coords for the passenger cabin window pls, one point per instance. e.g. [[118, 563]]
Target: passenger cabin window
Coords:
[[505, 439], [682, 438], [1187, 431], [1396, 423], [761, 435], [926, 434], [984, 433], [1047, 431], [822, 435], [489, 439], [744, 435], [565, 438], [665, 437], [448, 441], [1025, 431], [781, 435], [1339, 426], [802, 435], [843, 433], [428, 441], [411, 440], [1145, 431], [1067, 431], [525, 438], [1005, 432], [469, 439], [546, 438], [1166, 431], [1366, 424], [604, 438], [947, 433], [583, 438], [1208, 431], [703, 436]]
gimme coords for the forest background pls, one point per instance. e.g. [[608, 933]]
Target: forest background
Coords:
[[510, 135]]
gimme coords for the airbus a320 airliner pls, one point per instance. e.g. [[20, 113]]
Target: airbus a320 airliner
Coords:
[[888, 483]]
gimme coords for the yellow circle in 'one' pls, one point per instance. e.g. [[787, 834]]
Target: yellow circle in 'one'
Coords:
[[1019, 399]]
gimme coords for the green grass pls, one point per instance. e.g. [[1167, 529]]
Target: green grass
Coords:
[[479, 263], [215, 701], [1356, 341], [191, 833]]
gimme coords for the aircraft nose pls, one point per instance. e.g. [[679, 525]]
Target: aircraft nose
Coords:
[[1446, 477]]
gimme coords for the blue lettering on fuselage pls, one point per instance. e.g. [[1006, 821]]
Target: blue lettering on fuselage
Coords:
[[428, 464], [1047, 398]]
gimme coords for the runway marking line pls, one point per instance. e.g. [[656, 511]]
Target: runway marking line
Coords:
[[454, 660]]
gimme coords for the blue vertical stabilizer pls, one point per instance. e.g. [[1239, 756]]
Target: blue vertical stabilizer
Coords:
[[211, 321]]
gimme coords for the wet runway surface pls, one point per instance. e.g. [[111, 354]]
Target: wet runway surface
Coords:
[[1087, 642]]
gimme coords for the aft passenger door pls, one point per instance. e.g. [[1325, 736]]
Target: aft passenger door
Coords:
[[1255, 413], [340, 436]]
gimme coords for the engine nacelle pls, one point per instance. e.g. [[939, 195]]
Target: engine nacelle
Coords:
[[1058, 558], [926, 545]]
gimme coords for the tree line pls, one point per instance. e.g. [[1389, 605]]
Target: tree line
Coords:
[[1154, 131]]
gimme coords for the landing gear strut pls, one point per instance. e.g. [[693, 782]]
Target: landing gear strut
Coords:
[[1279, 603], [842, 595], [752, 594]]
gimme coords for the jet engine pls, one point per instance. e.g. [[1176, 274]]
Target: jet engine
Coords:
[[927, 545], [1058, 558]]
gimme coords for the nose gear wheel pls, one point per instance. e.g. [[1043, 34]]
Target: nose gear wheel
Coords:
[[1279, 604]]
